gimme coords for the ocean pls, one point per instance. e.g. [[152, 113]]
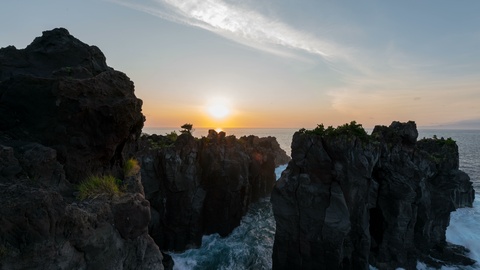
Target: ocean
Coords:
[[250, 245]]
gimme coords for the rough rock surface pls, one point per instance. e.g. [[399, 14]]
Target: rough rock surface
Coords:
[[59, 92], [204, 186], [64, 114], [347, 201], [41, 229]]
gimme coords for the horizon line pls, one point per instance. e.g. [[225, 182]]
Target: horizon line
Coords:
[[365, 127]]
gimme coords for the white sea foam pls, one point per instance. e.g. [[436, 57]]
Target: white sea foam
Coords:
[[464, 230], [249, 246], [279, 170]]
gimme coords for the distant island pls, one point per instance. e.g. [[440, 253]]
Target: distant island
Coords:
[[472, 124]]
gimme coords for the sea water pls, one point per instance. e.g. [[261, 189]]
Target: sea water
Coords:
[[464, 226], [250, 245]]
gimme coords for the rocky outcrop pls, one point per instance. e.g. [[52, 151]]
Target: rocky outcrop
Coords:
[[64, 114], [267, 144], [348, 200], [59, 92], [55, 54], [41, 229], [204, 186]]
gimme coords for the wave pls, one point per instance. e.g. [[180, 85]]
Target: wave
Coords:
[[464, 230], [250, 245]]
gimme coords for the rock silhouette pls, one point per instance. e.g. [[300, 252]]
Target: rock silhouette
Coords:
[[59, 92], [65, 115]]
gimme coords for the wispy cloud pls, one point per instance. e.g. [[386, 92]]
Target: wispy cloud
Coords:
[[376, 76], [245, 26]]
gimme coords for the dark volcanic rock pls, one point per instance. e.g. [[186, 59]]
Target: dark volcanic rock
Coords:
[[42, 230], [64, 114], [225, 179], [9, 165], [321, 201], [267, 144], [87, 119], [263, 151], [132, 216], [55, 54], [204, 186], [347, 200]]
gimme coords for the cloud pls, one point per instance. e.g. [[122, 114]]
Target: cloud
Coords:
[[379, 76], [242, 25]]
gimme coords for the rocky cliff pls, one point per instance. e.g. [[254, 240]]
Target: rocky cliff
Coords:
[[59, 92], [199, 186], [65, 115], [348, 200]]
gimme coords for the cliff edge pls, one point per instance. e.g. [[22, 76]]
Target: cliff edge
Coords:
[[348, 200], [200, 186]]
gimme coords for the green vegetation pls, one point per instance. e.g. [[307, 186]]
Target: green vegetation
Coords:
[[440, 147], [349, 129], [131, 167], [172, 136], [98, 185], [156, 142], [155, 145], [449, 141], [187, 128]]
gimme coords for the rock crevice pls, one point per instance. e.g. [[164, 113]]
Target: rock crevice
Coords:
[[199, 186], [350, 200]]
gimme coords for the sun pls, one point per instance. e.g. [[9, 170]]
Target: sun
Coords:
[[218, 110]]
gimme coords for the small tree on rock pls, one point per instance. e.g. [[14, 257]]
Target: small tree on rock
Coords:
[[187, 128]]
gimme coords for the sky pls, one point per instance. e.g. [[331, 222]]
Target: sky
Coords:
[[277, 63]]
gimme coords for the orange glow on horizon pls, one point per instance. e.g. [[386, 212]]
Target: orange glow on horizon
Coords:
[[199, 116]]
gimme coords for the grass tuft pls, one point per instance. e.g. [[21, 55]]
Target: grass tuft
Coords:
[[98, 185], [131, 167]]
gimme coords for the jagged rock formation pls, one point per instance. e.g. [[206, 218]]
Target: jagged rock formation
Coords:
[[204, 186], [64, 114], [267, 144], [59, 92], [347, 200], [41, 229]]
